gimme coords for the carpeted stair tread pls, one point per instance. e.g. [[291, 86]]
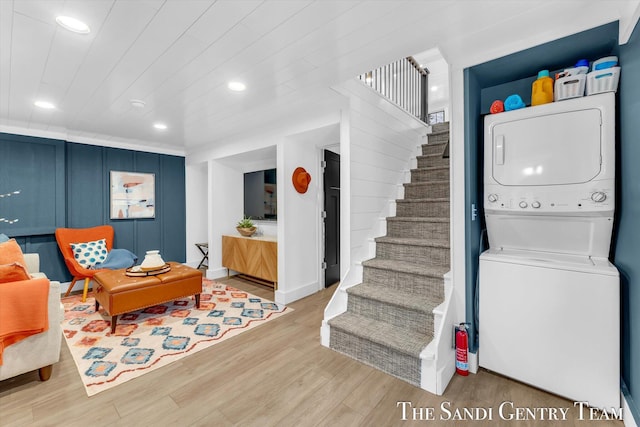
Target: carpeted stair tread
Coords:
[[438, 132], [434, 243], [417, 219], [439, 128], [431, 160], [437, 138], [427, 188], [431, 168], [382, 333], [408, 267], [431, 199], [430, 156], [434, 143], [425, 183], [411, 300], [437, 142]]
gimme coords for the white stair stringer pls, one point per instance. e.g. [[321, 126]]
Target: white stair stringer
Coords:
[[438, 357], [338, 302]]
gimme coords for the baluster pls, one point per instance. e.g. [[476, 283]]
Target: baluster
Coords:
[[394, 76], [386, 81], [402, 88], [416, 75], [404, 84], [413, 90]]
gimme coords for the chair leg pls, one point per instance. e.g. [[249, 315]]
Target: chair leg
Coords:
[[86, 288], [73, 282]]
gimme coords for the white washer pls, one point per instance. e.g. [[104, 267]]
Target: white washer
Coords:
[[552, 323], [549, 298]]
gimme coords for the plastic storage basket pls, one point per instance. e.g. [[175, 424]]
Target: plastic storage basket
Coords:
[[569, 87], [605, 80]]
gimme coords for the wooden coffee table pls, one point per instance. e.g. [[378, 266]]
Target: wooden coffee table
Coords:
[[119, 293]]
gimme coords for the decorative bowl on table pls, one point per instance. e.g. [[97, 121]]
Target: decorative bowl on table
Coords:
[[152, 261], [246, 232]]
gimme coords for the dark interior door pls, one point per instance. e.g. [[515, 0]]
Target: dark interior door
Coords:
[[332, 218]]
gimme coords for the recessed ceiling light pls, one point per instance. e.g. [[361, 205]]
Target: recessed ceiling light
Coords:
[[434, 88], [44, 104], [73, 24], [160, 126], [138, 103], [236, 86]]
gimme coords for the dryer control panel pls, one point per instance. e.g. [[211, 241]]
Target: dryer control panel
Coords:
[[595, 197]]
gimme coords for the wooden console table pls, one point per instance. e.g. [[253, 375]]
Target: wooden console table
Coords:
[[255, 258]]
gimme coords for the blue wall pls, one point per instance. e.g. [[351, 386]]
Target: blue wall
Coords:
[[627, 242], [514, 74], [66, 184], [473, 199], [39, 176]]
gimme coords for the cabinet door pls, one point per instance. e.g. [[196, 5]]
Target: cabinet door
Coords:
[[234, 253], [269, 261], [252, 261]]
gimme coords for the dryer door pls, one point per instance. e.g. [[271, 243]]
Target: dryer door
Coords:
[[551, 149]]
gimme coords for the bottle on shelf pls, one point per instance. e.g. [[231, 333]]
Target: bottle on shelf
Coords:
[[542, 89]]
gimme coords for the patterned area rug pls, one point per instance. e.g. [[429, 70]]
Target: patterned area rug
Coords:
[[148, 339]]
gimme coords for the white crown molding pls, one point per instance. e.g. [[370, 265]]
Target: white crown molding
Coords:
[[64, 135], [627, 25]]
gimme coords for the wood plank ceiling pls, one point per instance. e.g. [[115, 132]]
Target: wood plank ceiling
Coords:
[[178, 56]]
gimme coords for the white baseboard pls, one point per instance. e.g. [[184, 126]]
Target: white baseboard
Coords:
[[290, 295], [77, 287], [445, 374], [472, 358], [192, 264], [216, 273], [325, 334]]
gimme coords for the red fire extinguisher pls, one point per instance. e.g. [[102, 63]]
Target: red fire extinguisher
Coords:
[[462, 344]]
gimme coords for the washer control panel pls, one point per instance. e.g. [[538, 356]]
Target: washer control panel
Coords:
[[596, 197]]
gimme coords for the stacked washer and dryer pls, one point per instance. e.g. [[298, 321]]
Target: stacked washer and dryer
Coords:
[[549, 307]]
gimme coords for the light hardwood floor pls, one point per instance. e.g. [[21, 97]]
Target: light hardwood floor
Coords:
[[275, 375]]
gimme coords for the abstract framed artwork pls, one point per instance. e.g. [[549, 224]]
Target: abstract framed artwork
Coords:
[[132, 195]]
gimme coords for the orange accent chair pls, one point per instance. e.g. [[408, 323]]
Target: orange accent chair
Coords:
[[66, 236]]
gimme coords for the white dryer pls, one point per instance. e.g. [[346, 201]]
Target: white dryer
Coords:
[[548, 296]]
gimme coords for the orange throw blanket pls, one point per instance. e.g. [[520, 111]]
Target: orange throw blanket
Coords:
[[23, 310]]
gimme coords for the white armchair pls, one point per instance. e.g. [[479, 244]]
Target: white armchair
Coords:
[[42, 350]]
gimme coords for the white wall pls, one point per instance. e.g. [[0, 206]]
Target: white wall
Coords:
[[196, 183], [251, 151], [226, 199], [378, 144], [383, 140], [266, 228], [300, 241]]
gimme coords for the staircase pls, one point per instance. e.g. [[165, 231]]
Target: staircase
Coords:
[[389, 319]]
